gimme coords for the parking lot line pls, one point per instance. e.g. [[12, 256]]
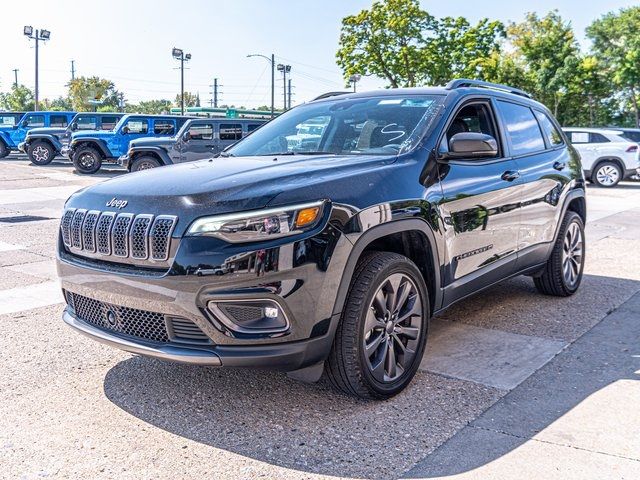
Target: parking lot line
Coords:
[[8, 247], [37, 194], [491, 357], [33, 296]]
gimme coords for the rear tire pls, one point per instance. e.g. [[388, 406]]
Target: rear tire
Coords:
[[382, 334], [41, 153], [87, 160], [607, 174], [4, 151], [144, 163], [562, 274]]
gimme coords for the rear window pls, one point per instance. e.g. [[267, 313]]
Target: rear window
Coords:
[[522, 128], [598, 138], [578, 137], [633, 136], [253, 126], [86, 122], [108, 123], [551, 133], [59, 121], [164, 127], [137, 126], [230, 131], [7, 120]]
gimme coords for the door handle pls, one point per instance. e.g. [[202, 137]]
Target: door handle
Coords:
[[510, 175], [559, 165]]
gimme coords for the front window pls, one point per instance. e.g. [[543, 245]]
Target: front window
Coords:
[[383, 125], [34, 121], [86, 122]]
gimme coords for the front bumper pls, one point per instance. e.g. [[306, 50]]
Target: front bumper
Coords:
[[22, 147], [65, 151], [124, 161]]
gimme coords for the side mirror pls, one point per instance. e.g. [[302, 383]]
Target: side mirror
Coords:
[[74, 126], [187, 136], [125, 130], [472, 145]]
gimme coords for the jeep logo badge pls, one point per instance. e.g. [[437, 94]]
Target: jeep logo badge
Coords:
[[119, 204]]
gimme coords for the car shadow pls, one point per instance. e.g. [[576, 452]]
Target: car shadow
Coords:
[[313, 429]]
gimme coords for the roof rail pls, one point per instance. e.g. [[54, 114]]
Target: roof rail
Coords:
[[465, 82], [329, 94]]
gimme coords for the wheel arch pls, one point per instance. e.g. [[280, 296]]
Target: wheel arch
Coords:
[[409, 237], [151, 152], [608, 158], [95, 143]]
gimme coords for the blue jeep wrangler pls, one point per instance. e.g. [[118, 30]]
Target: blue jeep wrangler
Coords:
[[88, 150], [43, 144], [11, 136]]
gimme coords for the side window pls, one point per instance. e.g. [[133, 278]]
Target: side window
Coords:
[[108, 123], [137, 126], [59, 121], [633, 136], [86, 122], [597, 138], [34, 121], [578, 137], [7, 120], [164, 127], [551, 133], [253, 126], [476, 118], [201, 132], [230, 131], [522, 128]]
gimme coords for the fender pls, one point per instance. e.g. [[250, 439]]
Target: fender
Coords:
[[99, 143], [394, 226], [52, 139], [6, 139], [571, 195], [159, 152]]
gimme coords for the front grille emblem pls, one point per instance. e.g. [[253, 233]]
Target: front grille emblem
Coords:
[[111, 318], [115, 203]]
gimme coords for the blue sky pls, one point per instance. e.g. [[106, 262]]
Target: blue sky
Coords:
[[130, 42]]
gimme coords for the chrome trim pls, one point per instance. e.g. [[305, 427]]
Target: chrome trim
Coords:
[[125, 234], [174, 221], [145, 235], [165, 352], [231, 325]]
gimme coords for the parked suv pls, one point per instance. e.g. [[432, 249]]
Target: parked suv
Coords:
[[11, 136], [197, 139], [608, 157], [331, 255], [42, 145], [88, 150], [9, 119]]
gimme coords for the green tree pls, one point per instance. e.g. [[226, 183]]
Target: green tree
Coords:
[[549, 51], [616, 42], [154, 107], [190, 100], [20, 98], [57, 104], [407, 46], [84, 91]]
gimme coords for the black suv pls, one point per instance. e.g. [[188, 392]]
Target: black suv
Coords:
[[330, 236], [197, 139], [42, 145]]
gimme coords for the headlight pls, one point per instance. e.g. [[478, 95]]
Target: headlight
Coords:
[[261, 224]]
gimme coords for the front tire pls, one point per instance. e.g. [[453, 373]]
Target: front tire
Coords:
[[607, 174], [87, 160], [562, 274], [40, 153], [382, 334], [144, 163], [4, 150]]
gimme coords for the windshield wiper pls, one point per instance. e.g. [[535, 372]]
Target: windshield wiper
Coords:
[[302, 152]]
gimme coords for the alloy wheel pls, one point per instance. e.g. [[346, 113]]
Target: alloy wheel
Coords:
[[40, 153], [86, 160], [145, 166], [392, 328], [572, 253], [608, 175]]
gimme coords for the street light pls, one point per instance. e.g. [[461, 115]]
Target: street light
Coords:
[[272, 61], [36, 35], [178, 54], [353, 79], [284, 69]]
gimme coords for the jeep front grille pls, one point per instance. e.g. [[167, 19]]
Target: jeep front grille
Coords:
[[137, 323], [124, 235]]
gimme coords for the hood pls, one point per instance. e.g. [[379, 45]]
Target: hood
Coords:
[[92, 134], [152, 141], [47, 131], [231, 184]]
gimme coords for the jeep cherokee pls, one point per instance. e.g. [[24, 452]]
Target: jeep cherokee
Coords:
[[331, 250]]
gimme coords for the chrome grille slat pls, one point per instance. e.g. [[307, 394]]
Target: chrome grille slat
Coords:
[[143, 237]]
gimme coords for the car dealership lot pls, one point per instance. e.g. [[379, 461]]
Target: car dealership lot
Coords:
[[70, 407]]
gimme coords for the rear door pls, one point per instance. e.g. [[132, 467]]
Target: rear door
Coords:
[[228, 134], [480, 206], [581, 141]]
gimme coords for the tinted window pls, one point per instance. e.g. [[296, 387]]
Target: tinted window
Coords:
[[253, 126], [597, 138], [551, 133], [633, 136], [59, 121], [230, 131], [86, 122], [34, 121], [108, 123], [522, 128], [137, 126], [201, 132], [164, 127]]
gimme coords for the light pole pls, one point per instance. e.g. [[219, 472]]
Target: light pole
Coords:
[[272, 61], [284, 69], [36, 35], [178, 54], [353, 79]]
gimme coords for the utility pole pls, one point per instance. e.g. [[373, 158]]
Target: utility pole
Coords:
[[178, 54], [215, 93], [121, 101], [15, 72], [284, 69], [36, 35], [272, 61], [289, 88], [73, 71], [353, 79]]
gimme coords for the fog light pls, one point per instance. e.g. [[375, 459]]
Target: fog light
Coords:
[[250, 316]]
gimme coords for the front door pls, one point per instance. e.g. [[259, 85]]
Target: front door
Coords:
[[480, 208], [199, 144]]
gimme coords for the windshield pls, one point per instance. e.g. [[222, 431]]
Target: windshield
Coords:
[[374, 125]]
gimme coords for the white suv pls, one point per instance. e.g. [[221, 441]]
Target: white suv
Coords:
[[607, 156]]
